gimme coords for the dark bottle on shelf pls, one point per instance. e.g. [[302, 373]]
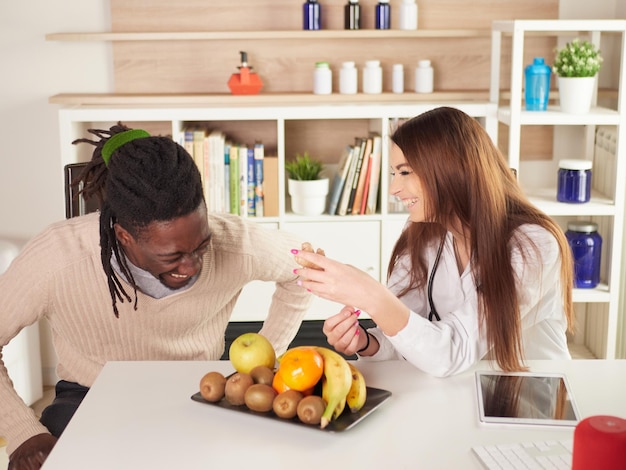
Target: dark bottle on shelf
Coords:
[[383, 15], [312, 15], [352, 15]]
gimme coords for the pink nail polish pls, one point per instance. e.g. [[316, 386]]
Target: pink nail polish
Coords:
[[294, 251], [299, 283], [295, 271], [356, 332], [357, 312]]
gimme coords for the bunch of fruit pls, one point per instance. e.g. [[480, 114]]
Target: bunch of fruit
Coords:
[[313, 383]]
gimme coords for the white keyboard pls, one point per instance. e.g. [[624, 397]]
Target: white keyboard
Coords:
[[527, 455]]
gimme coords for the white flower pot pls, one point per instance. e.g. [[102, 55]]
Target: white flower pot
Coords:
[[308, 197], [576, 94]]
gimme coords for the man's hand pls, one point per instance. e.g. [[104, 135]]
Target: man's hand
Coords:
[[32, 453]]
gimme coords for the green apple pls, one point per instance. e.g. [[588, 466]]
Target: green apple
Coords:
[[250, 350]]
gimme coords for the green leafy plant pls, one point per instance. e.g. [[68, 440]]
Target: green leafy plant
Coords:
[[577, 59], [304, 168]]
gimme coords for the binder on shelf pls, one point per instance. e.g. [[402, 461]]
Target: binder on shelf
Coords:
[[339, 179], [270, 186], [234, 179], [357, 173], [243, 180], [215, 176], [251, 184], [360, 184], [374, 180], [342, 208], [226, 176], [259, 155]]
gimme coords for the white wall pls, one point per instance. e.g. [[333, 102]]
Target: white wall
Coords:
[[34, 69]]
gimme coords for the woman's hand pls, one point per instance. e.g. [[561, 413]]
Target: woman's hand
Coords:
[[32, 453], [338, 282], [348, 285], [343, 332]]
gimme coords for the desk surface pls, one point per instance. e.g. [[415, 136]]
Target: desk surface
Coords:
[[139, 415]]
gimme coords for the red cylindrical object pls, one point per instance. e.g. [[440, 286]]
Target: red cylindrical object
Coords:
[[600, 443]]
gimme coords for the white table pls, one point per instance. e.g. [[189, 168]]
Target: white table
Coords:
[[139, 415]]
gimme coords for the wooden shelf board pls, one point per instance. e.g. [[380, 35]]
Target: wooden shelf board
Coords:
[[262, 99], [246, 35]]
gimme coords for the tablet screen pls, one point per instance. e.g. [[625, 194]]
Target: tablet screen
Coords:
[[525, 398]]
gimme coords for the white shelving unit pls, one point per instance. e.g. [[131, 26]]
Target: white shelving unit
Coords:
[[597, 309], [364, 241]]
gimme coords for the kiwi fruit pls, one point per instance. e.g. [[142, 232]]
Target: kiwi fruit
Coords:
[[285, 404], [259, 397], [262, 375], [310, 409], [236, 386], [212, 386]]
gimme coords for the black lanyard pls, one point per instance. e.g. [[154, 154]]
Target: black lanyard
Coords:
[[433, 310]]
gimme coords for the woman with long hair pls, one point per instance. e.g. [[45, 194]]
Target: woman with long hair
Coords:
[[477, 272]]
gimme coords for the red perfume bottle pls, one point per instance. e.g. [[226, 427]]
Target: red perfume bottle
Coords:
[[245, 82]]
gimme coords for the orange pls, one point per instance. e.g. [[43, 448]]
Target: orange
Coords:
[[278, 384], [301, 368]]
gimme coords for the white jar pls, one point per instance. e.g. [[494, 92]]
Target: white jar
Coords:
[[322, 79], [397, 84], [408, 15], [424, 77], [372, 77], [348, 81]]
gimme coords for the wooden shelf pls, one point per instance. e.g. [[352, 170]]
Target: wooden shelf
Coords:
[[247, 35], [263, 99]]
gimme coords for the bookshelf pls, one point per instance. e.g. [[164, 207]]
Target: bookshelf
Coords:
[[601, 321], [364, 241]]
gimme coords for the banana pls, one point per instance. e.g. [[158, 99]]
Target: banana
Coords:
[[326, 395], [358, 391], [336, 383]]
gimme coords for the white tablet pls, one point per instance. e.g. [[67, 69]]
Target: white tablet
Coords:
[[525, 398]]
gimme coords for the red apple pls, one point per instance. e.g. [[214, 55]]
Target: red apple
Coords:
[[250, 350]]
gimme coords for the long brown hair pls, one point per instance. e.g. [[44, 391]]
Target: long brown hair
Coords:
[[465, 177]]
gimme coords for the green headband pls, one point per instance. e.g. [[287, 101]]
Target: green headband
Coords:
[[117, 140]]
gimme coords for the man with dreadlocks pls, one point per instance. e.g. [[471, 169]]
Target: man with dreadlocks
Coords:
[[152, 276]]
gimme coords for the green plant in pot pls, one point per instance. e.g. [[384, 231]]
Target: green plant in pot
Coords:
[[306, 185], [576, 65]]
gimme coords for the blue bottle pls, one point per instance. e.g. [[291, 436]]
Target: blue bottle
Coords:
[[383, 15], [586, 245], [537, 85], [311, 15]]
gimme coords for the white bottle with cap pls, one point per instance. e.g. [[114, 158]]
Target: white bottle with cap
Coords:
[[424, 77], [322, 79], [397, 84], [408, 15], [348, 81], [372, 77]]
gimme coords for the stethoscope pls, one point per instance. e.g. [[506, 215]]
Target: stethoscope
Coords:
[[433, 310]]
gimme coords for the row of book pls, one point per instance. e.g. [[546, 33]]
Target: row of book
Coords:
[[355, 186], [233, 174]]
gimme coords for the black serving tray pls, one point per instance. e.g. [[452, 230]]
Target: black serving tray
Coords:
[[375, 398]]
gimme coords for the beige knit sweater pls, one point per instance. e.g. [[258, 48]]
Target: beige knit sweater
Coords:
[[59, 276]]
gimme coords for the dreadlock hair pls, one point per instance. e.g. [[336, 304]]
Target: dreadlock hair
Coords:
[[146, 180]]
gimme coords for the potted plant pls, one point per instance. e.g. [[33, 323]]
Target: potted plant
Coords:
[[306, 185], [576, 66]]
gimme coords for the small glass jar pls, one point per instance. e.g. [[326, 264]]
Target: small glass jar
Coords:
[[322, 79], [586, 245], [574, 181]]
